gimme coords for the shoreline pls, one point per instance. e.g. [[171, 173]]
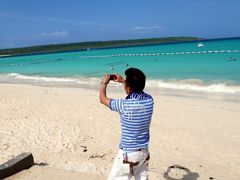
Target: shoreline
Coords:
[[56, 124], [116, 87]]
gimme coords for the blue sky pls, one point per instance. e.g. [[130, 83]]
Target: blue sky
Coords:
[[29, 22]]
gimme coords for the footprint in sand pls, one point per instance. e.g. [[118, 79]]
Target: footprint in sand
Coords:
[[5, 146], [93, 156], [84, 148]]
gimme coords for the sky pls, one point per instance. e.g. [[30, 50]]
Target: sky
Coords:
[[29, 22]]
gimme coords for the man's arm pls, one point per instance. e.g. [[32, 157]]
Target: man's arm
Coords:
[[103, 91], [103, 96]]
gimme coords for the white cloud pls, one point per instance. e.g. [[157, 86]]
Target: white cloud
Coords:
[[145, 29], [56, 34], [74, 21]]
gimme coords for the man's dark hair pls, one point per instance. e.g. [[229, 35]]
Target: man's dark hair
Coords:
[[135, 79]]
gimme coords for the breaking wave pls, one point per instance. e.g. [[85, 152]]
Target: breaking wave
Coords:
[[196, 85]]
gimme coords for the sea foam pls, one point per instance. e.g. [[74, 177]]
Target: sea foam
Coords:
[[196, 85]]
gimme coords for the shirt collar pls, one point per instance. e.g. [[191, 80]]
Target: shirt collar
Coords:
[[136, 95]]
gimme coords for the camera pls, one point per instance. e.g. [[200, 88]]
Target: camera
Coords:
[[113, 77]]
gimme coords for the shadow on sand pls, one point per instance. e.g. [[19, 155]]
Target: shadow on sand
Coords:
[[40, 164], [177, 172]]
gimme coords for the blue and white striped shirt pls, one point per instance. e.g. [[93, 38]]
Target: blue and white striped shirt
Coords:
[[135, 113]]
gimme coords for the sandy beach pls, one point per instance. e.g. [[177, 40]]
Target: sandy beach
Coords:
[[68, 129]]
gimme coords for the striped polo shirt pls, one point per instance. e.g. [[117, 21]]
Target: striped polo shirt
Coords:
[[135, 114]]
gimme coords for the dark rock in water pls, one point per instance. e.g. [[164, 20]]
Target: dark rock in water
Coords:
[[232, 59]]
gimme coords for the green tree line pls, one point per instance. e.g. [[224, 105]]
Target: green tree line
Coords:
[[92, 45]]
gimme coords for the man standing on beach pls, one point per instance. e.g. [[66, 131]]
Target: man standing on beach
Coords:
[[135, 114]]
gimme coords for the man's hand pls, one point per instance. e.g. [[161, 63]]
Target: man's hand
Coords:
[[119, 78]]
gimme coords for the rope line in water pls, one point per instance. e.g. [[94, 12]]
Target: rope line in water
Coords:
[[29, 63], [163, 53], [126, 55]]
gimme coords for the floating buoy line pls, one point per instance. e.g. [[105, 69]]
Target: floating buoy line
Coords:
[[29, 63], [124, 55], [161, 53]]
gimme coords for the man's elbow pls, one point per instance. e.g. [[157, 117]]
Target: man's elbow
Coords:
[[101, 100], [105, 101]]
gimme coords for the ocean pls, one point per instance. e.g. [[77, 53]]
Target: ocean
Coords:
[[207, 66]]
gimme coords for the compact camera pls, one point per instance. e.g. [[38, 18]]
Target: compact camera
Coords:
[[113, 77]]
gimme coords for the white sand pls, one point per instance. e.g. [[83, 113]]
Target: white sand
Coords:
[[56, 124], [46, 173]]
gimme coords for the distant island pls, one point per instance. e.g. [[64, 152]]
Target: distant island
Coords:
[[84, 46]]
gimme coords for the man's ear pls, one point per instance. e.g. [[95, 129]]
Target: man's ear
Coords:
[[129, 90]]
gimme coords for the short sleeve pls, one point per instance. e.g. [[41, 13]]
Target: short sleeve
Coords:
[[116, 105]]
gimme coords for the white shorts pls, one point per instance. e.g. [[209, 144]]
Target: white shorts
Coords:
[[122, 171]]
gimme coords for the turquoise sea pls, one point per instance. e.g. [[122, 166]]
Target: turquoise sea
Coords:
[[206, 66]]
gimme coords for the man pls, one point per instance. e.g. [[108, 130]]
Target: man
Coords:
[[135, 114]]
